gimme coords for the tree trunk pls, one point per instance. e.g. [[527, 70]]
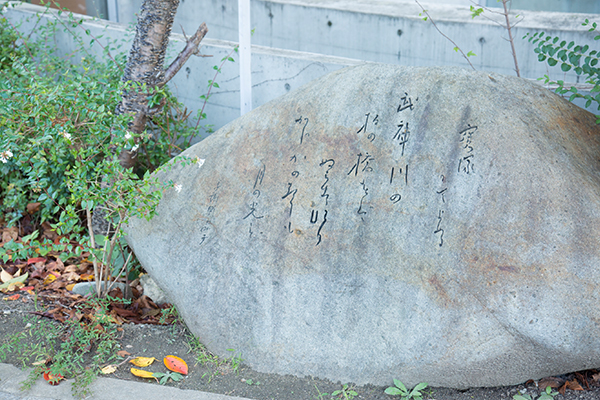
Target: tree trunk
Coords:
[[145, 68], [145, 65]]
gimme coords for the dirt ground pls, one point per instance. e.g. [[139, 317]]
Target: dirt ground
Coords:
[[225, 377]]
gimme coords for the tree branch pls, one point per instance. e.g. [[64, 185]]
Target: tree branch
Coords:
[[441, 33], [190, 48], [510, 37]]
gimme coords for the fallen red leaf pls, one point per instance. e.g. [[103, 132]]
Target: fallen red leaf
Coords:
[[176, 364], [52, 379], [13, 297], [35, 260]]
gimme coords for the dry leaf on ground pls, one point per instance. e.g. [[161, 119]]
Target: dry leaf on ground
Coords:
[[143, 374], [142, 361], [176, 364], [109, 369]]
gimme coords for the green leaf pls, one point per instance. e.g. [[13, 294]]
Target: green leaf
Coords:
[[565, 67], [19, 279], [393, 391], [400, 385], [470, 53], [552, 62]]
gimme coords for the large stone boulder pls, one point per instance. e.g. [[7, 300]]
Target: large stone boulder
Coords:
[[428, 224]]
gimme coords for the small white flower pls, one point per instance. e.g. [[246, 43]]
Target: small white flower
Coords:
[[5, 156], [200, 162], [65, 135], [177, 187], [127, 136], [134, 148]]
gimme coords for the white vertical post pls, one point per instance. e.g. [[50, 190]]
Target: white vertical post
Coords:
[[112, 7], [245, 56]]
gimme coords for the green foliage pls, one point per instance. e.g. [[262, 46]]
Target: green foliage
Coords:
[[571, 56], [59, 135], [400, 390], [548, 394], [165, 376], [213, 363], [29, 247], [60, 138], [72, 349], [10, 51], [475, 12], [346, 393]]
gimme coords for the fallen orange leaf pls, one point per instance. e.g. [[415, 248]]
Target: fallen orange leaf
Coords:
[[35, 260], [574, 385], [13, 297], [49, 279], [87, 277], [142, 361], [143, 374], [123, 353], [176, 364]]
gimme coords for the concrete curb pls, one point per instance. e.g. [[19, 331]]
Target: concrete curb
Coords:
[[102, 389]]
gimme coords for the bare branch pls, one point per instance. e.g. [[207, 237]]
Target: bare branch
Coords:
[[93, 243], [505, 25], [190, 48], [441, 33], [511, 39]]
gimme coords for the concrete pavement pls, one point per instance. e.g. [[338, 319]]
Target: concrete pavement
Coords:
[[102, 389]]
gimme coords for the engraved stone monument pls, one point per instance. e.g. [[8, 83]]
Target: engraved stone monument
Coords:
[[427, 224]]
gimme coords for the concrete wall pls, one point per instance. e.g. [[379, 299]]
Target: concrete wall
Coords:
[[385, 31], [571, 6]]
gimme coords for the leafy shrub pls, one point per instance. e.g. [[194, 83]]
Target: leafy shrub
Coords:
[[59, 135], [60, 139], [574, 57]]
